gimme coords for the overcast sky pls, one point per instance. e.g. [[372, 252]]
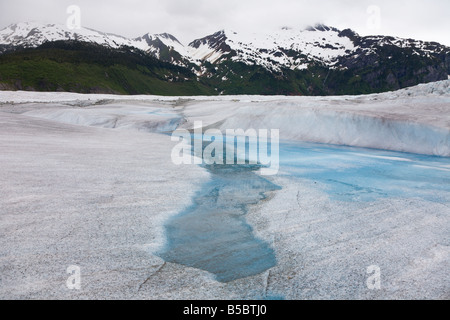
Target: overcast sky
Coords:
[[191, 19]]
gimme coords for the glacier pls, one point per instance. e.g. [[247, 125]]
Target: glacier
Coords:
[[88, 180], [415, 120]]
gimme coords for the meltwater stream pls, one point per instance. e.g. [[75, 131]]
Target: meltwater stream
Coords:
[[213, 234]]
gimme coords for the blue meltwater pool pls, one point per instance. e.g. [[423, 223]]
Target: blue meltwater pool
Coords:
[[355, 174], [213, 234]]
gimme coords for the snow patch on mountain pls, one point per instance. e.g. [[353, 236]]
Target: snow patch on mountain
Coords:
[[290, 48], [30, 35]]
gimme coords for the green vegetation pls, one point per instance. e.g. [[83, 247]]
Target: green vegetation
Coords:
[[90, 68]]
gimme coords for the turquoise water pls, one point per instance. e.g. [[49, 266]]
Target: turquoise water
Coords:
[[356, 174], [213, 234]]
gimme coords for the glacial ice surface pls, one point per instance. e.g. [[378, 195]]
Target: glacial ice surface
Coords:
[[340, 209]]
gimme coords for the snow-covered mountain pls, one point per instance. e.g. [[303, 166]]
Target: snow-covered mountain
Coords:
[[30, 35], [317, 60], [297, 49], [287, 48]]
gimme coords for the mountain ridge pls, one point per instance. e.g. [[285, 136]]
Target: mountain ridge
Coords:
[[316, 60]]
